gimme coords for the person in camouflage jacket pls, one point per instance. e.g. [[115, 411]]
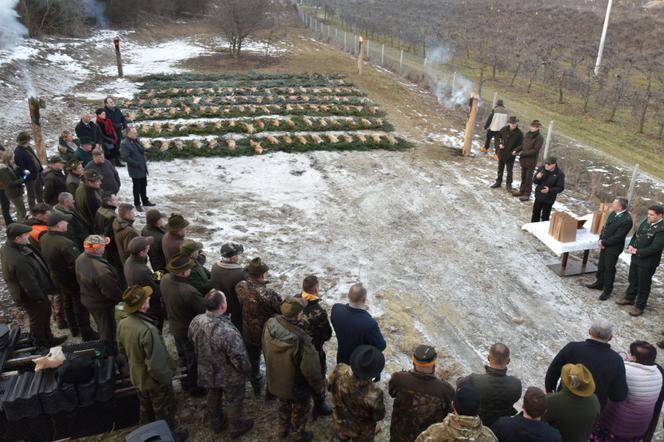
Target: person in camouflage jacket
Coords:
[[223, 364], [357, 401], [259, 304], [421, 399]]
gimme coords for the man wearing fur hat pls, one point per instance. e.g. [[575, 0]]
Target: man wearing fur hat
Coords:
[[259, 303], [150, 365], [27, 160], [226, 274], [293, 369]]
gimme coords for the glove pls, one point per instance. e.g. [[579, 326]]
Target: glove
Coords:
[[158, 275]]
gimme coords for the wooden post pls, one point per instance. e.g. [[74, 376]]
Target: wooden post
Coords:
[[632, 185], [344, 41], [118, 56], [367, 43], [401, 61], [382, 55], [549, 134], [35, 104], [360, 56], [470, 124]]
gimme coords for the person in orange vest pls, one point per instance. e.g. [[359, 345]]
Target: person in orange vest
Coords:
[[37, 220]]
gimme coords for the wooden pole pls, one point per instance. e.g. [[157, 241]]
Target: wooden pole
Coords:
[[470, 124], [382, 55], [118, 56], [360, 56], [35, 104], [632, 185]]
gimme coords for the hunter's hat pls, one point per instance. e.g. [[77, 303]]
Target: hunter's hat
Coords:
[[134, 297], [578, 379], [367, 362]]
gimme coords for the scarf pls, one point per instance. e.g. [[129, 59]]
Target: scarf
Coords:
[[308, 296], [108, 129]]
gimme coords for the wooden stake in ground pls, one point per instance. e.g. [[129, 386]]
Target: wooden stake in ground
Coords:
[[118, 56], [35, 104], [360, 56], [470, 124]]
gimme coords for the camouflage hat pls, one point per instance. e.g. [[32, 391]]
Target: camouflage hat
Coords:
[[73, 164], [292, 306], [231, 249], [16, 229], [138, 244], [257, 267], [367, 362], [176, 222], [56, 159], [134, 297], [153, 215], [95, 241], [55, 217], [91, 175], [180, 263], [23, 137], [189, 246], [424, 355]]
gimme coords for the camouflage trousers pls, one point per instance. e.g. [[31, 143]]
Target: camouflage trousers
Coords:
[[293, 417], [233, 396], [158, 403]]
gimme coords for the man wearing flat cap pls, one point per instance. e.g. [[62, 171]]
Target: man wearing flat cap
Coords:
[[226, 274], [176, 229], [88, 196], [154, 227], [528, 155], [183, 303], [55, 180], [60, 254], [529, 421], [27, 160], [137, 272], [259, 303], [200, 276], [420, 398], [151, 368], [293, 369], [28, 282], [357, 402], [549, 181], [100, 287], [75, 172]]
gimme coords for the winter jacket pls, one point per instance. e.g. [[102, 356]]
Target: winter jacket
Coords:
[[183, 303], [259, 304], [123, 232], [117, 118], [150, 364], [60, 254], [66, 150], [606, 366], [11, 180], [99, 282], [26, 159], [615, 231], [88, 201], [511, 140], [649, 243], [498, 393], [200, 278], [316, 323], [221, 356], [156, 254], [83, 156], [530, 149], [25, 273], [520, 429], [497, 119], [54, 184], [293, 366], [574, 416], [631, 417], [554, 180], [72, 183], [133, 154], [170, 244], [106, 133], [110, 180], [87, 132], [77, 229], [224, 277], [137, 272], [458, 428], [354, 327]]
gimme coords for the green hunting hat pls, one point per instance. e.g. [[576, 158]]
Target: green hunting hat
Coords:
[[180, 263], [176, 222], [189, 246], [16, 229], [134, 297], [292, 306], [91, 175], [55, 217], [23, 137], [73, 164], [367, 362]]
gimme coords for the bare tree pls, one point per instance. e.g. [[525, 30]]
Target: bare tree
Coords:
[[239, 19]]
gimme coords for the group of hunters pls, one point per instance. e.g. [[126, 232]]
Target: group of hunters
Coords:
[[80, 255]]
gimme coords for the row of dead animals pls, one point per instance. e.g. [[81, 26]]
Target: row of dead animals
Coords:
[[249, 109], [242, 91], [234, 99]]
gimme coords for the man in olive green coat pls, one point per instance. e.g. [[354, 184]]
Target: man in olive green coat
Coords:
[[88, 196], [508, 139], [77, 229], [151, 368], [200, 276], [528, 155], [123, 230]]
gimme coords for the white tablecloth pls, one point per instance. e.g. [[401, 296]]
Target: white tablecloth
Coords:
[[584, 239]]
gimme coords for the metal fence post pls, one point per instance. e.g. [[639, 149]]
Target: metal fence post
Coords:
[[632, 184], [549, 134], [367, 49], [345, 38], [382, 55], [401, 61]]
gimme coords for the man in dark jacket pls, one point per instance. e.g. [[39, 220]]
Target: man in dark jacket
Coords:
[[88, 197], [4, 200], [100, 287], [200, 276], [110, 180], [508, 139], [498, 391], [606, 366], [123, 230], [26, 159], [116, 116], [225, 275], [137, 272], [77, 229], [528, 155], [29, 285], [133, 154], [527, 426], [55, 180], [86, 130], [183, 303], [354, 326], [104, 219], [611, 244], [646, 249], [84, 151], [550, 181], [421, 399], [154, 228], [60, 254]]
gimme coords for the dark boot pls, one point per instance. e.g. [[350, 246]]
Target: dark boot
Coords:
[[517, 193], [321, 408], [257, 386], [88, 334], [604, 296], [218, 423], [496, 185], [241, 428], [595, 286]]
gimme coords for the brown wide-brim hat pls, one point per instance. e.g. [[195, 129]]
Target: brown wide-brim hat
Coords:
[[180, 263], [257, 267], [135, 296], [578, 380]]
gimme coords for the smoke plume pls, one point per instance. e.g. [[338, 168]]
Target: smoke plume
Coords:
[[97, 10], [11, 30], [438, 53]]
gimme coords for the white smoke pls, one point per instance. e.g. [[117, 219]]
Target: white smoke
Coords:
[[97, 10], [451, 90], [438, 52], [11, 30]]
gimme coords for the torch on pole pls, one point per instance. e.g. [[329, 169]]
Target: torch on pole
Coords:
[[118, 56], [360, 56]]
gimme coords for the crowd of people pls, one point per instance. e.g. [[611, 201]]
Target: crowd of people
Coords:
[[79, 255]]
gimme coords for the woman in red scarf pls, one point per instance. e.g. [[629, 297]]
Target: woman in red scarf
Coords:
[[107, 136]]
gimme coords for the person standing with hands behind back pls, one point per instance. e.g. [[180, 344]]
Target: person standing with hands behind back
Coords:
[[550, 181]]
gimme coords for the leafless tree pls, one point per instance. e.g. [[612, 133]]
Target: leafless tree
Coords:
[[239, 19]]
